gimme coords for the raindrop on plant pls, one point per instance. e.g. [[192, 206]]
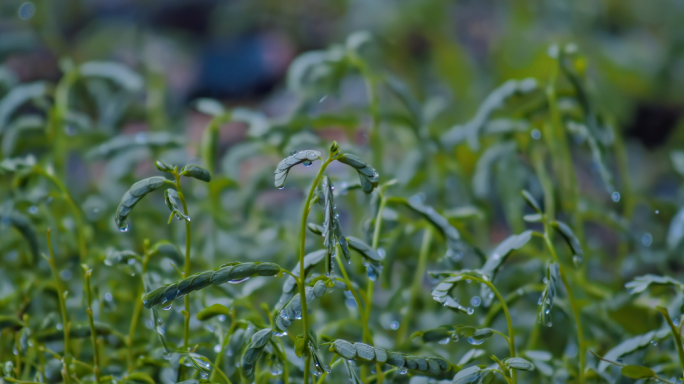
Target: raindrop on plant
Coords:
[[475, 301], [108, 296], [657, 212], [403, 370], [372, 274], [577, 260], [222, 318], [474, 341], [647, 239], [238, 281], [394, 325], [217, 348], [279, 334], [536, 134], [308, 164], [33, 209], [654, 343], [445, 341], [167, 307], [276, 369], [204, 374], [615, 196], [59, 326], [470, 311], [123, 227]]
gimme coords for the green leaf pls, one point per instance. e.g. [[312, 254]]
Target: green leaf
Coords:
[[495, 100], [632, 345], [641, 283], [549, 294], [118, 144], [292, 310], [114, 257], [162, 166], [485, 165], [118, 73], [17, 164], [310, 260], [598, 157], [497, 258], [22, 224], [331, 226], [16, 97], [9, 322], [531, 201], [233, 272], [213, 311], [367, 174], [367, 353], [21, 124], [472, 375], [372, 258], [140, 376], [196, 172], [675, 233], [174, 203], [471, 355], [133, 196], [518, 363], [284, 166], [569, 237], [637, 372]]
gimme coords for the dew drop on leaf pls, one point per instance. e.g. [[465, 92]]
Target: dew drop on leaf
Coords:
[[124, 227], [445, 341], [238, 281], [475, 301], [615, 196], [33, 209], [167, 307], [577, 260], [403, 370], [474, 341], [470, 311], [222, 318], [536, 134], [217, 348], [394, 325], [307, 163], [204, 374]]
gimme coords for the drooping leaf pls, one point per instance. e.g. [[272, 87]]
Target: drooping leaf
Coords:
[[484, 168], [293, 309], [284, 166], [310, 260], [16, 97], [471, 355], [232, 272], [472, 375], [531, 201], [139, 377], [632, 345], [175, 205], [368, 353], [367, 174], [22, 224], [495, 100], [597, 154], [518, 363], [254, 350], [20, 125], [197, 172], [120, 74], [641, 283], [569, 237], [372, 259], [9, 321], [549, 294], [213, 311], [133, 196]]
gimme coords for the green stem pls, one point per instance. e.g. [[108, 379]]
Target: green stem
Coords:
[[62, 308], [186, 271], [219, 357], [675, 333], [573, 303], [417, 284], [138, 308], [511, 334], [302, 272], [93, 333]]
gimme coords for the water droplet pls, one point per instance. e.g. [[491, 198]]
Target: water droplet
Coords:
[[374, 371], [204, 374], [59, 326], [475, 301], [238, 281], [445, 341], [654, 343], [276, 369], [547, 311], [65, 274], [647, 239], [536, 134], [217, 348], [470, 311], [394, 325], [308, 164], [108, 296], [615, 196], [293, 153], [33, 210], [468, 281], [541, 300], [15, 351], [167, 307], [403, 370], [123, 227], [549, 324], [372, 273], [131, 261], [327, 369], [577, 260], [474, 341], [657, 212], [26, 10], [283, 187], [159, 320], [298, 315], [619, 361], [279, 334], [222, 318]]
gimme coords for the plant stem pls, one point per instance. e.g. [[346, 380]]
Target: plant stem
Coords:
[[675, 333], [573, 304], [186, 271], [62, 307], [302, 272], [511, 334], [219, 356], [93, 333], [417, 283], [138, 307]]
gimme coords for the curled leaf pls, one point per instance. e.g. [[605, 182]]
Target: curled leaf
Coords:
[[133, 196], [233, 272], [254, 350], [641, 283], [637, 372], [372, 259], [293, 309], [367, 174], [518, 363], [197, 172], [284, 166], [547, 297], [569, 237]]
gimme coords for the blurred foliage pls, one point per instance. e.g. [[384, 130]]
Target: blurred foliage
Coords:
[[530, 149]]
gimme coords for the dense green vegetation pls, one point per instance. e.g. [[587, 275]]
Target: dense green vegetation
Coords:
[[391, 235]]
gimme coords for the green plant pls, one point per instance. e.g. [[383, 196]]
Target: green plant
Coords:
[[354, 249]]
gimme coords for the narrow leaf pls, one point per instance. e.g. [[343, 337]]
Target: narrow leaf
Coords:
[[197, 172], [133, 196], [295, 158]]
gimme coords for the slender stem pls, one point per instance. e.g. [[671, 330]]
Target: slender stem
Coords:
[[511, 334], [138, 308], [375, 244], [573, 303], [186, 271], [62, 306], [302, 272], [675, 333], [417, 284], [93, 333], [334, 362]]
